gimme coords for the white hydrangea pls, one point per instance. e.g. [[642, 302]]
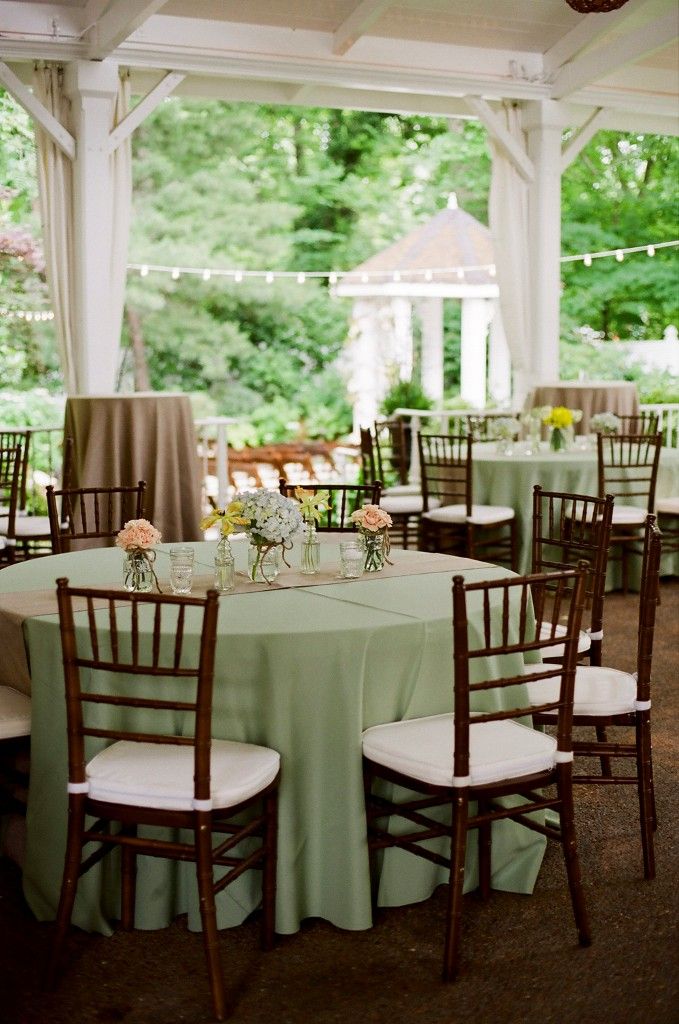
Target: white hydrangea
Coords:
[[273, 518], [605, 423]]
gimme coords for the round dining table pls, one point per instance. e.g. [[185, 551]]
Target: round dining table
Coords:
[[303, 669], [500, 479]]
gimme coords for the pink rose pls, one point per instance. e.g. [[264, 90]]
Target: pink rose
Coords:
[[138, 533], [372, 518]]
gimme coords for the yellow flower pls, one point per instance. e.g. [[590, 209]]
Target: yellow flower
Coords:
[[559, 416], [312, 506], [229, 518]]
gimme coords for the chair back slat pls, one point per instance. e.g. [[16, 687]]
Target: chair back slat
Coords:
[[499, 633], [10, 478], [392, 451], [628, 465], [344, 499], [446, 469], [133, 642], [91, 514], [639, 423]]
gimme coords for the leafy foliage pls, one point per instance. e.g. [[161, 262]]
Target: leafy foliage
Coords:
[[240, 186]]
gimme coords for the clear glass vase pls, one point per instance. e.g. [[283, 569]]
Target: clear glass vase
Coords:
[[311, 552], [374, 551], [225, 567], [264, 562], [137, 572]]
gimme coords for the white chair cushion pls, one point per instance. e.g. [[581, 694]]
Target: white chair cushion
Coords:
[[399, 490], [482, 515], [629, 515], [598, 690], [28, 526], [423, 748], [15, 713], [557, 651], [402, 504], [670, 506], [158, 775]]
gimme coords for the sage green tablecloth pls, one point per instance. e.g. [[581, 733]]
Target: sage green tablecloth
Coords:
[[303, 671], [509, 480]]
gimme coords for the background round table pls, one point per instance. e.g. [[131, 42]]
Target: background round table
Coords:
[[618, 396], [509, 480]]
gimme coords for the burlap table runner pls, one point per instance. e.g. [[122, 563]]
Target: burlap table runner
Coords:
[[17, 606]]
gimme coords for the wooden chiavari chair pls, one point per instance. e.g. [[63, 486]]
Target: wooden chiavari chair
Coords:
[[607, 698], [485, 755], [32, 533], [451, 523], [568, 529], [639, 423], [344, 499], [148, 775], [628, 469], [91, 513], [10, 476], [403, 503], [392, 452]]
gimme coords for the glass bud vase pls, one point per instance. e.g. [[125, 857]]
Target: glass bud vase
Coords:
[[263, 562], [225, 568], [374, 551], [311, 552], [137, 572]]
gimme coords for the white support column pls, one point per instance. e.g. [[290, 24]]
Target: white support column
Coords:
[[363, 372], [92, 87], [402, 353], [542, 123], [476, 315], [431, 316], [499, 361]]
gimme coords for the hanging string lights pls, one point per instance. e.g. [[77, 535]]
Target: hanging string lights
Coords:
[[427, 274]]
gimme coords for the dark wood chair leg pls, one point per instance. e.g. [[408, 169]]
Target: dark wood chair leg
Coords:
[[485, 849], [69, 884], [208, 914], [570, 853], [269, 872], [645, 789], [129, 883], [514, 547], [458, 849], [605, 761]]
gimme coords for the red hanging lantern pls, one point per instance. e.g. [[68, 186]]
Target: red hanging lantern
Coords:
[[595, 6]]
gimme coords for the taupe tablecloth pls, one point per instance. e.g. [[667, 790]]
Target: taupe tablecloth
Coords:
[[120, 439], [618, 396]]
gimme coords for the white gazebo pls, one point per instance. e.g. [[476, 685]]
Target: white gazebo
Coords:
[[450, 256], [542, 77]]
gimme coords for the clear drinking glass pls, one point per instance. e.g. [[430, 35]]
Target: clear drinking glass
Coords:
[[352, 559], [181, 569]]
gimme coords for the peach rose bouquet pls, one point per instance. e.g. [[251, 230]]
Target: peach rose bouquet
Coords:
[[373, 524], [137, 539]]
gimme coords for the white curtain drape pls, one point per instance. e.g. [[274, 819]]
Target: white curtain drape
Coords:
[[55, 189], [508, 214]]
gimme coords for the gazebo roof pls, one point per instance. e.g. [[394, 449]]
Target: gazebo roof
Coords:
[[450, 254]]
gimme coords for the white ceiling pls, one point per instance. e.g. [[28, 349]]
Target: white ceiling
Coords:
[[407, 55]]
